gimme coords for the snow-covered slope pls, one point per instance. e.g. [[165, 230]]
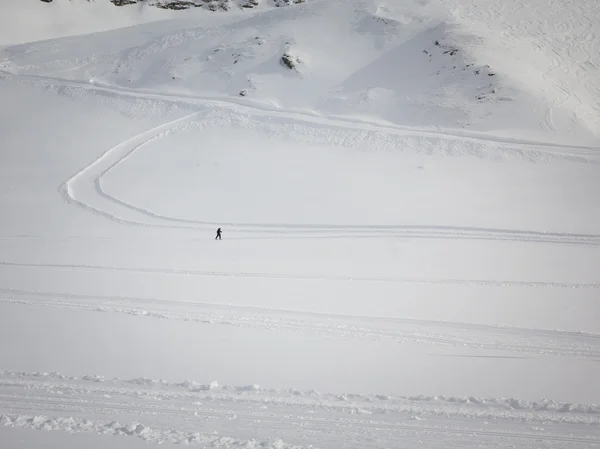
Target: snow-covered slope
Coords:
[[26, 21], [34, 20], [482, 67], [411, 231]]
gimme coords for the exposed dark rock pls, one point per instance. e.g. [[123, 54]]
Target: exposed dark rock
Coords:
[[279, 3], [212, 5], [177, 5], [120, 2], [289, 61]]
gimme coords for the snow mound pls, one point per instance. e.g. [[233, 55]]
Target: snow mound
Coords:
[[192, 385], [134, 429]]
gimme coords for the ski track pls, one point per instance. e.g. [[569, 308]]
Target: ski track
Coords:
[[9, 292], [585, 154], [86, 191], [301, 277], [520, 341], [159, 411]]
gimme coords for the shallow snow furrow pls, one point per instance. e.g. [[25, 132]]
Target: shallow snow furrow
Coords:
[[20, 386], [462, 335], [42, 422], [304, 277], [225, 405], [96, 403], [46, 298]]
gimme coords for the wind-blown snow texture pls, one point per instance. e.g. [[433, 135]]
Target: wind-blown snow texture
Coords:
[[411, 233]]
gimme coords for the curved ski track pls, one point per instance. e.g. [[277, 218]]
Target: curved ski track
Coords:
[[85, 188]]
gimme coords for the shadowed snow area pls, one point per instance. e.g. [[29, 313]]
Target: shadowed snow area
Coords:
[[408, 198]]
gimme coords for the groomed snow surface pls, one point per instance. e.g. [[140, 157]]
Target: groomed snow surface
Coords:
[[411, 226]]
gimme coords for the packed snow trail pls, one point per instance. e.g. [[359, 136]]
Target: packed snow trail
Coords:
[[303, 277], [86, 190], [533, 150], [438, 333], [228, 416]]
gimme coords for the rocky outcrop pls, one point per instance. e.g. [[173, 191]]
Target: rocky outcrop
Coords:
[[289, 61], [177, 4], [280, 3], [248, 4], [212, 5], [121, 2]]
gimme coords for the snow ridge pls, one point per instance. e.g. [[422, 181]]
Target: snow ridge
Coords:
[[160, 389], [136, 429], [158, 412]]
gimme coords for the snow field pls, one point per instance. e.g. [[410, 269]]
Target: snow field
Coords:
[[410, 250]]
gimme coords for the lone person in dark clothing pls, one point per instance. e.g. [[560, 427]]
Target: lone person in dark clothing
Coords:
[[218, 237]]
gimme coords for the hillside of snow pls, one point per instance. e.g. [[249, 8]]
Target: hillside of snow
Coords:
[[408, 198], [529, 74]]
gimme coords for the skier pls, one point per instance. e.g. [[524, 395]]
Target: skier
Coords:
[[218, 237]]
